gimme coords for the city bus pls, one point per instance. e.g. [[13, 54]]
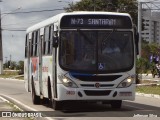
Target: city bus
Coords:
[[81, 57]]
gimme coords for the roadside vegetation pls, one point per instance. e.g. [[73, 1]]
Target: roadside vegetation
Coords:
[[12, 69], [152, 89], [11, 74]]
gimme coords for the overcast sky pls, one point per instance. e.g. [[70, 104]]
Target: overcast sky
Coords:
[[14, 42]]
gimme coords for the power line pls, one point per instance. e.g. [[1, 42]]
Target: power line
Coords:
[[28, 22], [13, 30], [32, 11]]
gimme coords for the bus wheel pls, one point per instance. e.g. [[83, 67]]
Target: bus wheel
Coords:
[[116, 103], [56, 105], [35, 98]]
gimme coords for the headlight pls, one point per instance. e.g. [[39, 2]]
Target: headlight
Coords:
[[67, 82], [127, 82]]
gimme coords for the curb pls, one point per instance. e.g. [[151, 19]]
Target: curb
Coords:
[[7, 101], [148, 84], [22, 107], [148, 95], [12, 79]]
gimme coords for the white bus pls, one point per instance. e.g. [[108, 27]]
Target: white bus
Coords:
[[81, 56]]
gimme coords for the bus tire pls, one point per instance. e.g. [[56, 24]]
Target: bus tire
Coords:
[[56, 105], [116, 103], [50, 98], [35, 98]]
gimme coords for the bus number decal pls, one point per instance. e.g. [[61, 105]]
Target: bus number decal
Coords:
[[76, 21], [70, 92]]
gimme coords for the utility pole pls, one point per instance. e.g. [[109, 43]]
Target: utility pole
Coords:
[[6, 65], [10, 62], [1, 50], [140, 26]]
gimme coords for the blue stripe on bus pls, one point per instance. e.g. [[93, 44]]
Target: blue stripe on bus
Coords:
[[80, 74]]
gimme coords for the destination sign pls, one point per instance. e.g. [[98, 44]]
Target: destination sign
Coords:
[[96, 21]]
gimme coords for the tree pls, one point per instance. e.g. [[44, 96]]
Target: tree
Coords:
[[149, 49], [13, 65], [128, 6], [20, 67]]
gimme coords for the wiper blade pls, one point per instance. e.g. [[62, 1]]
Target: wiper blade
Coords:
[[86, 37], [107, 38]]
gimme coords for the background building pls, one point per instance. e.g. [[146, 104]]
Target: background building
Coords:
[[151, 26]]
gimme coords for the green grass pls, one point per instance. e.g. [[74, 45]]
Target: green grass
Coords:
[[149, 89], [15, 109], [20, 77], [147, 81], [12, 106], [8, 74], [11, 74]]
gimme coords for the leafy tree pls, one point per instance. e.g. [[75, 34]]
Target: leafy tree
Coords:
[[128, 6], [20, 66], [13, 65], [149, 49], [143, 64]]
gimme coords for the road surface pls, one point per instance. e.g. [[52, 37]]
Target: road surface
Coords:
[[141, 107]]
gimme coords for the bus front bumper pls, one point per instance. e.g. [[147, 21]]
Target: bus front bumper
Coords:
[[65, 93]]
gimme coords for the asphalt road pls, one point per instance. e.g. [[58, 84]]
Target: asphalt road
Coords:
[[142, 107]]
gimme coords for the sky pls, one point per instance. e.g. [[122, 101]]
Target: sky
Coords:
[[13, 42]]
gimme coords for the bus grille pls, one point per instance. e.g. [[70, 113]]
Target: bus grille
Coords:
[[97, 78], [97, 92], [93, 85]]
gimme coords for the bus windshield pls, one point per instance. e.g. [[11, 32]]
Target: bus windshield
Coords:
[[96, 50]]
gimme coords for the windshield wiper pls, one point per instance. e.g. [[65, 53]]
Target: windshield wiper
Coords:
[[106, 38], [86, 37]]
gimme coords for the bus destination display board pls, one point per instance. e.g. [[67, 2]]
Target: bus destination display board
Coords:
[[96, 21]]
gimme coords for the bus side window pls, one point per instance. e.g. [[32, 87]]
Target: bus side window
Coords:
[[46, 40], [36, 43], [34, 40], [32, 44], [26, 46], [49, 40]]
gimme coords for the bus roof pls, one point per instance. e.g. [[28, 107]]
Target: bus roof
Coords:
[[58, 17]]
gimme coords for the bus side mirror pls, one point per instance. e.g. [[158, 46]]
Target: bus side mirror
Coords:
[[136, 37], [55, 39], [137, 42]]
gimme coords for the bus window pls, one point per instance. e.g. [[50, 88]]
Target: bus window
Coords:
[[32, 44], [26, 46], [49, 40], [36, 43], [46, 40]]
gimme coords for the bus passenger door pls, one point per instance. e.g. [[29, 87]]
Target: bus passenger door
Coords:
[[54, 55], [28, 67], [40, 60]]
